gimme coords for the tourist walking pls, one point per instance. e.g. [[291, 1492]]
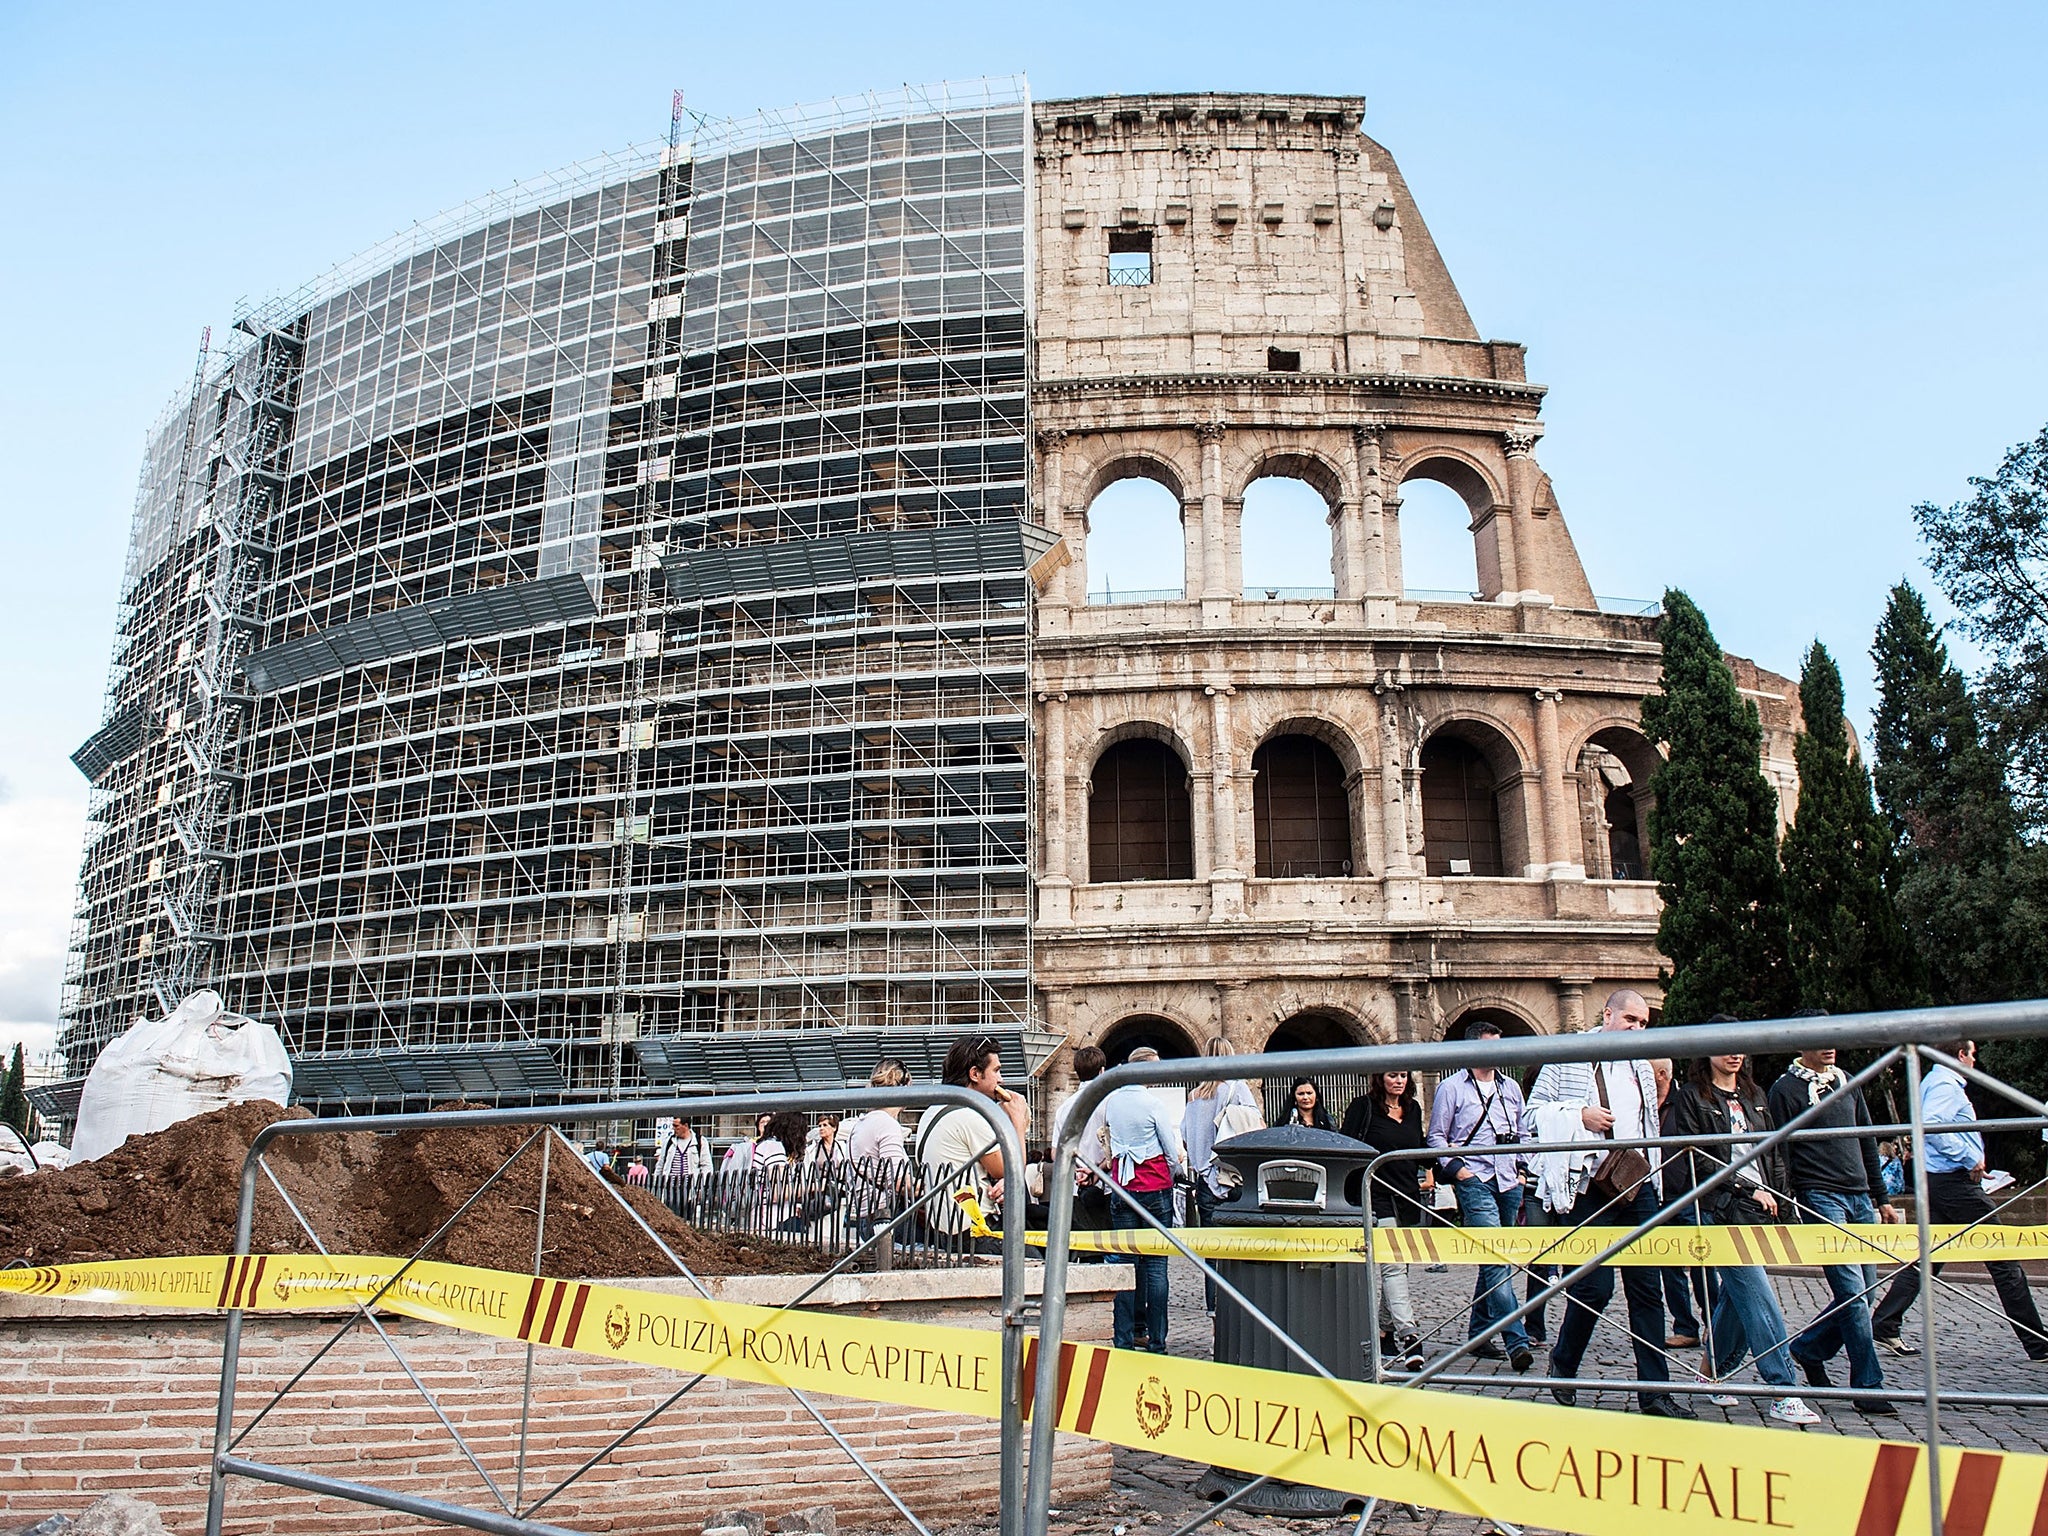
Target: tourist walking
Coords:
[[1615, 1100], [1840, 1180], [1480, 1108], [1145, 1157], [1388, 1118], [1721, 1098], [1955, 1170], [1216, 1111], [1306, 1106]]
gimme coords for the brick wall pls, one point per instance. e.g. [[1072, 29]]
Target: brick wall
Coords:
[[102, 1401]]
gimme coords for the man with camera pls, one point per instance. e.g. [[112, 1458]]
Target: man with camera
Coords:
[[1480, 1108], [1608, 1187]]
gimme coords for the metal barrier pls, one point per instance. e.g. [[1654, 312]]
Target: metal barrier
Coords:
[[514, 1515], [1898, 1035], [833, 1206]]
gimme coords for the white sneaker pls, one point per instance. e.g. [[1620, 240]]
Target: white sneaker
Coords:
[[1718, 1399], [1792, 1410]]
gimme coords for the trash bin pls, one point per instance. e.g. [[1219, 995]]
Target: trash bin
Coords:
[[1292, 1176]]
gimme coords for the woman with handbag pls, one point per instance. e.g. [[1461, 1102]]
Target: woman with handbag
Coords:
[[1388, 1116], [1216, 1111], [1721, 1098]]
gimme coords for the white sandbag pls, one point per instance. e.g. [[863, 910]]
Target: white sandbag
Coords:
[[166, 1070], [51, 1155]]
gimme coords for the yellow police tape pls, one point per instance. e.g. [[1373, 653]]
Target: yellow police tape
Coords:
[[1710, 1246], [1578, 1470]]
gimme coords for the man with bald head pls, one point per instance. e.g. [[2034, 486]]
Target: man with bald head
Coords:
[[1579, 1101]]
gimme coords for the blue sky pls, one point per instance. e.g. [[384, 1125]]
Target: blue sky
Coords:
[[1782, 266]]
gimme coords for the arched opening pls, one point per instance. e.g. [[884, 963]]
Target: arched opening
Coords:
[[1312, 1030], [1136, 547], [1615, 769], [1509, 1024], [1301, 813], [1139, 819], [1163, 1035], [1438, 561], [1286, 542], [1461, 820]]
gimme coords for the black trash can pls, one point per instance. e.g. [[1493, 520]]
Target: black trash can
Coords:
[[1292, 1176]]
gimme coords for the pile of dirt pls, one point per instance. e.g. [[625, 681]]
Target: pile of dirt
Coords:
[[175, 1193]]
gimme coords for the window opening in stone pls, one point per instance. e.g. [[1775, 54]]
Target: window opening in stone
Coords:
[[1138, 815], [1136, 546], [1130, 258], [1301, 818], [1286, 541], [1279, 360], [1613, 811], [1439, 563], [1460, 810]]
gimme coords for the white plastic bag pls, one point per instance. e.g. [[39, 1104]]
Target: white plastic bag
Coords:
[[166, 1070]]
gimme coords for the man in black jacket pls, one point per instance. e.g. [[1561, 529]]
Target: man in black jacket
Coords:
[[1838, 1181]]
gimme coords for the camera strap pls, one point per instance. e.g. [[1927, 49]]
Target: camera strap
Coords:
[[1485, 1110]]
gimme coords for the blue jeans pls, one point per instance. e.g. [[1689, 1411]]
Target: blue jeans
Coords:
[[1587, 1297], [1493, 1294], [1845, 1325], [1746, 1320], [1149, 1299], [1686, 1288]]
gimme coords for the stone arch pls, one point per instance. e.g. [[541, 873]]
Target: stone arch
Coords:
[[1314, 1028], [1478, 797], [1172, 1039], [1138, 569], [1286, 529], [1512, 1019], [1127, 730], [1613, 764], [1293, 786], [1474, 485], [1140, 810]]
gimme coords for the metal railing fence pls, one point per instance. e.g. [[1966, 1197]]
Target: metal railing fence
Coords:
[[836, 1207], [514, 1514], [1898, 1035]]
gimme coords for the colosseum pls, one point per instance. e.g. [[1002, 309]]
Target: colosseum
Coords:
[[654, 626]]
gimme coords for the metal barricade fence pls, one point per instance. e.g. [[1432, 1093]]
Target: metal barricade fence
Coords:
[[919, 1202], [1899, 1036], [836, 1207]]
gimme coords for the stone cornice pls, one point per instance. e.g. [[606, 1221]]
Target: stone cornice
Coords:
[[1361, 386]]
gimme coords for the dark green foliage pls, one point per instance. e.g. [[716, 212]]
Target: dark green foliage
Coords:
[[1848, 952], [13, 1093], [1990, 554], [1713, 835], [1972, 895]]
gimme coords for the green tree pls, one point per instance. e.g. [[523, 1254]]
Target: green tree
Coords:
[[1713, 835], [1990, 554], [1848, 951], [1969, 891], [14, 1093]]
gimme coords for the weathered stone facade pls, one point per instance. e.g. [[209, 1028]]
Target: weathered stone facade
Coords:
[[1298, 321]]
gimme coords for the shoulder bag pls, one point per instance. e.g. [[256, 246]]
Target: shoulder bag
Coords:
[[1617, 1175]]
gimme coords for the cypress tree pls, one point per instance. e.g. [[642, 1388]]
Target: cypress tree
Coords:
[[14, 1093], [1849, 954], [1713, 835], [1969, 891]]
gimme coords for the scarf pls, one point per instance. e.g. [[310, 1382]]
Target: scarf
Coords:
[[1819, 1084]]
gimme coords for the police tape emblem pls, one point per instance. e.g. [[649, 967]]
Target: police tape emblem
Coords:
[[1155, 1408], [618, 1325], [1701, 1249]]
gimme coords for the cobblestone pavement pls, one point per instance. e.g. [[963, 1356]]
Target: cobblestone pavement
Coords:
[[1153, 1495]]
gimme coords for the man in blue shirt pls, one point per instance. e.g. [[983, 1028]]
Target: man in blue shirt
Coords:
[[1955, 1169], [1480, 1108]]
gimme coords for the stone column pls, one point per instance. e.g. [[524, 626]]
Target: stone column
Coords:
[[1231, 1022], [1571, 1004], [1071, 585], [1557, 812], [1216, 593], [1347, 540], [1055, 861], [1227, 867], [1523, 475], [1379, 561]]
